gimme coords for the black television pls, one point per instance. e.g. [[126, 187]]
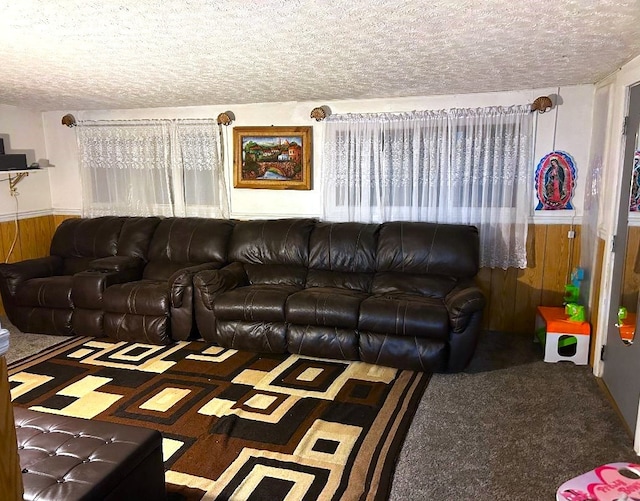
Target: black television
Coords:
[[13, 161]]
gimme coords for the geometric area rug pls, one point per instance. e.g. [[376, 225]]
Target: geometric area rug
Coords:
[[236, 425]]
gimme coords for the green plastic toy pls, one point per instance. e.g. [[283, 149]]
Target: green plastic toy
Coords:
[[572, 290], [572, 293], [622, 315], [575, 312]]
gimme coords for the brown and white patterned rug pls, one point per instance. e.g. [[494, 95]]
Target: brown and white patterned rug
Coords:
[[236, 425]]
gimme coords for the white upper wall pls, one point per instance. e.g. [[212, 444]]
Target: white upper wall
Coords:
[[567, 126], [23, 132]]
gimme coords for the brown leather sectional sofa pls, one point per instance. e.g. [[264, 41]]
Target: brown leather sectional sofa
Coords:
[[398, 294]]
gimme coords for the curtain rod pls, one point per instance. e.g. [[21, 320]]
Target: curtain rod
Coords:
[[541, 104], [225, 118]]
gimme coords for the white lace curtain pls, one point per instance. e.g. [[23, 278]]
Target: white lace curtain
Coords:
[[152, 167], [469, 166]]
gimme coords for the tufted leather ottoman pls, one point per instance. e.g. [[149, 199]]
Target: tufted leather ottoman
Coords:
[[70, 458]]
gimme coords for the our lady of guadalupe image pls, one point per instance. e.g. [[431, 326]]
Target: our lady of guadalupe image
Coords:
[[555, 181], [634, 197]]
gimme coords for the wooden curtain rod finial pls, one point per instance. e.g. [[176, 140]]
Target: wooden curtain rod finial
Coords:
[[542, 104], [320, 113], [69, 120], [226, 118]]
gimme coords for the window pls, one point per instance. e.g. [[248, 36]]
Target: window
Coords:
[[449, 166], [152, 167]]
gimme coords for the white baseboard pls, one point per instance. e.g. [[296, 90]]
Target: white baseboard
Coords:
[[556, 217], [66, 212], [25, 214]]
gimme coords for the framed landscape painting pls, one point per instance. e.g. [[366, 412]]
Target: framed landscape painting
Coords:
[[272, 157]]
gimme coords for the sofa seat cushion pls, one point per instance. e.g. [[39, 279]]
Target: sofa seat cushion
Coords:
[[403, 314], [276, 274], [325, 306], [38, 320], [390, 282], [323, 342], [151, 329], [260, 337], [51, 292], [339, 279], [73, 265], [143, 297], [254, 303]]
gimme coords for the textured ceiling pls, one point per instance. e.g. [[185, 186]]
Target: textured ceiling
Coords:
[[90, 54]]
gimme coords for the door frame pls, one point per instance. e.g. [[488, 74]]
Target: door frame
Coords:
[[619, 257], [616, 141]]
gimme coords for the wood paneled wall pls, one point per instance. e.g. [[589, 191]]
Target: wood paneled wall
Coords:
[[34, 237], [512, 295]]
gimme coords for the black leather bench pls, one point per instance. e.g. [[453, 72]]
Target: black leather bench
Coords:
[[71, 459]]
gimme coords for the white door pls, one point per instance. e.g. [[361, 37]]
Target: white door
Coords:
[[621, 354]]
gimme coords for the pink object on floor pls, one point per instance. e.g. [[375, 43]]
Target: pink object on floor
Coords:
[[610, 482]]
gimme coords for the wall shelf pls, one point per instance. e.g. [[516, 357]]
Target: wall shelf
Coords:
[[19, 176]]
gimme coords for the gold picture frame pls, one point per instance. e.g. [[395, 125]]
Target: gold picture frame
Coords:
[[272, 157]]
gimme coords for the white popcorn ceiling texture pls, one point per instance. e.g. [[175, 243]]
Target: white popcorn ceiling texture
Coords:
[[90, 54]]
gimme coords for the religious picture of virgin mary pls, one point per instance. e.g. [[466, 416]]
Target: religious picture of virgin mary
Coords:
[[634, 197], [555, 181]]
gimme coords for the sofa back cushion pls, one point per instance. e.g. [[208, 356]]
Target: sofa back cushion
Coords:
[[428, 248], [180, 242], [135, 236], [342, 255], [274, 251], [425, 258], [79, 241]]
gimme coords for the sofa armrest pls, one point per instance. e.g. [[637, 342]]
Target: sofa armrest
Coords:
[[213, 282], [117, 264], [182, 280], [88, 286], [14, 274], [463, 301]]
